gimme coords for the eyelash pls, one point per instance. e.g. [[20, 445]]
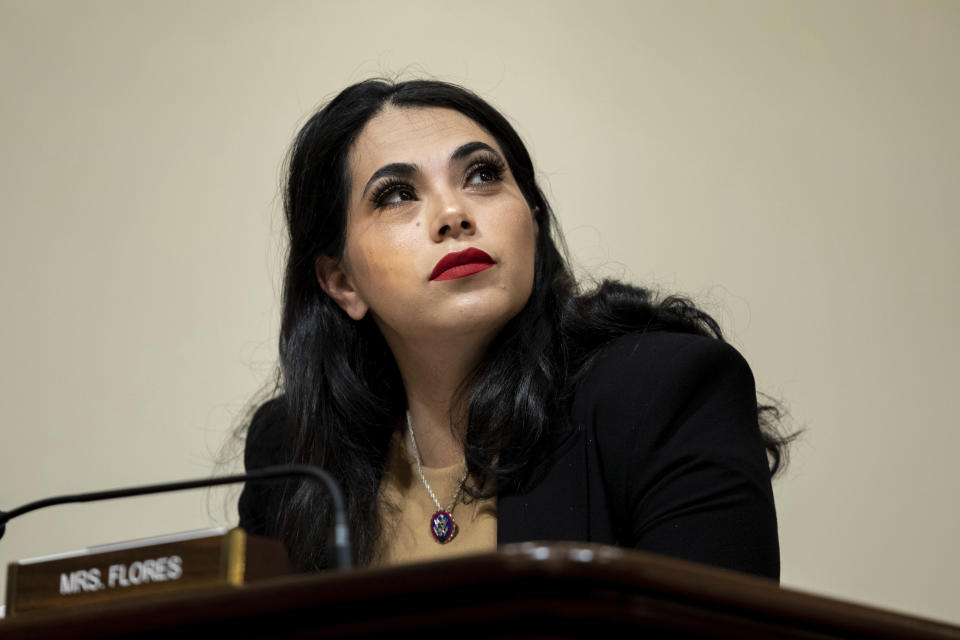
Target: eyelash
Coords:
[[490, 163], [386, 188]]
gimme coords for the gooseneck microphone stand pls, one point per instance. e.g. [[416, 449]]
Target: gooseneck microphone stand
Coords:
[[341, 533]]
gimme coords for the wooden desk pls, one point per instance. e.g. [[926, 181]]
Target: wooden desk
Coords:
[[525, 590]]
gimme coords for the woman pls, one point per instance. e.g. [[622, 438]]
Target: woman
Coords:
[[438, 359]]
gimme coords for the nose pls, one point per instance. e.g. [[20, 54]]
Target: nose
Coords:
[[453, 221]]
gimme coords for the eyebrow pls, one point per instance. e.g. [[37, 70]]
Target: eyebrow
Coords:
[[399, 169], [465, 150], [406, 169]]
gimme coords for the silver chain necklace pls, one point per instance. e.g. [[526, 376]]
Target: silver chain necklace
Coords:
[[442, 525]]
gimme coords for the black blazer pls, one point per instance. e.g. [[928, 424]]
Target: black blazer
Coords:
[[663, 454]]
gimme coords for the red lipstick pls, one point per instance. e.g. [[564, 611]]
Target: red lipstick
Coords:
[[461, 264]]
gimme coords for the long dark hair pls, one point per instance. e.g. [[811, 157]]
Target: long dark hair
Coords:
[[341, 391]]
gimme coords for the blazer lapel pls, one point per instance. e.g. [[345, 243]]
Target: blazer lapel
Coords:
[[557, 507]]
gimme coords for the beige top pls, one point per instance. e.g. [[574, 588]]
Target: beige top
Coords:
[[406, 510]]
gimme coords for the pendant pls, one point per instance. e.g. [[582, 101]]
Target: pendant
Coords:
[[442, 527]]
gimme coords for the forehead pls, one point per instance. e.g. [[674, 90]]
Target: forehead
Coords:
[[419, 135]]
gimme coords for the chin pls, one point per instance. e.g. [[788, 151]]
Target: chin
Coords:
[[488, 322]]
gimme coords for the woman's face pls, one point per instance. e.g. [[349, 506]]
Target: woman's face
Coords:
[[440, 240]]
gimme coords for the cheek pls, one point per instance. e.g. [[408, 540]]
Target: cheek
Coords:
[[522, 245], [526, 235], [377, 264], [534, 232]]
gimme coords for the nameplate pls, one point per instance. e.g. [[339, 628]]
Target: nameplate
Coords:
[[144, 567]]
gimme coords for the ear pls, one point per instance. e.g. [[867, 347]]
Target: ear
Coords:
[[535, 211], [337, 284]]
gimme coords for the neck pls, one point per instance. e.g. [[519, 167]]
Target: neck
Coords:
[[432, 372]]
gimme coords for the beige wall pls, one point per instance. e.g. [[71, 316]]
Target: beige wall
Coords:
[[795, 166]]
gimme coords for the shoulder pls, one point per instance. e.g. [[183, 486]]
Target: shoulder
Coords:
[[269, 435], [648, 398], [657, 352], [640, 372], [269, 439]]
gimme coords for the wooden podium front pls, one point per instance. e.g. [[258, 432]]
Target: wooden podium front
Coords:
[[524, 590]]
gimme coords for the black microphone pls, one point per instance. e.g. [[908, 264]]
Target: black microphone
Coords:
[[341, 532]]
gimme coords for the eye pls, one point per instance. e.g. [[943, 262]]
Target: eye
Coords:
[[392, 193], [485, 171], [484, 174]]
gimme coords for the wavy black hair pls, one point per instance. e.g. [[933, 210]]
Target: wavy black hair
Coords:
[[340, 388]]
